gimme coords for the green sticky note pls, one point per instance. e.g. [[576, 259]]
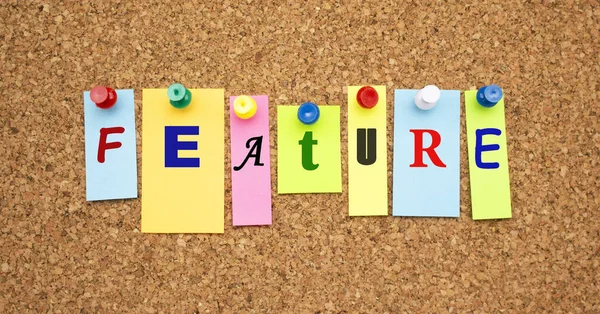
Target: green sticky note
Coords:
[[308, 156], [488, 159]]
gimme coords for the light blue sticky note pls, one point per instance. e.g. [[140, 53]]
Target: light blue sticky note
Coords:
[[116, 177], [431, 191]]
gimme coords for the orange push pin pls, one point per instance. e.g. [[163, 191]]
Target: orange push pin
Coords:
[[244, 107], [103, 97], [367, 97]]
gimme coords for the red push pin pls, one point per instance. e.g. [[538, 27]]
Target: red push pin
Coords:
[[103, 97], [367, 97]]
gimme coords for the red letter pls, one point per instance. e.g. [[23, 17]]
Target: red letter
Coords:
[[103, 145], [436, 139]]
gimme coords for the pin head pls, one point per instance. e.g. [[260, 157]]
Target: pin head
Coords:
[[244, 107], [489, 96], [308, 113], [104, 97], [179, 96], [367, 97], [427, 98]]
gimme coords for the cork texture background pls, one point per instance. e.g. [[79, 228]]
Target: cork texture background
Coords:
[[60, 254]]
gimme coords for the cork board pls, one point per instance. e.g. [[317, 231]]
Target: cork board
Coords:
[[60, 254]]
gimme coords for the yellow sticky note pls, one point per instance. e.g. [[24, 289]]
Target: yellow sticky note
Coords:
[[367, 180], [177, 195], [488, 159], [320, 169]]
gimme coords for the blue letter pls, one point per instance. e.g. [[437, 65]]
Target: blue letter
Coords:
[[480, 148], [173, 146]]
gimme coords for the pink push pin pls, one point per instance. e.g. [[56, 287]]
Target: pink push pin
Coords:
[[103, 97]]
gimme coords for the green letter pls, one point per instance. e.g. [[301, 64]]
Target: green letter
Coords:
[[307, 157]]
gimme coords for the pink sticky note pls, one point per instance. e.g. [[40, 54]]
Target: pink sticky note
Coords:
[[251, 166]]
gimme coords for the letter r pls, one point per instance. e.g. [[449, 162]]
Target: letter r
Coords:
[[436, 140]]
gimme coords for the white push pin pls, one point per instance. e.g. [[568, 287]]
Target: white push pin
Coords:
[[426, 98]]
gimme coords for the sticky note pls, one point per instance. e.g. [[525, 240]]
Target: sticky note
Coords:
[[426, 156], [308, 156], [251, 166], [488, 159], [110, 149], [367, 166], [183, 163]]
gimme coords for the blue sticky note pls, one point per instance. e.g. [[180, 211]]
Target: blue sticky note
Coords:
[[110, 167], [426, 156]]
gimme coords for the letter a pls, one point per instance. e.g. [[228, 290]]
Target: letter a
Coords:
[[254, 152]]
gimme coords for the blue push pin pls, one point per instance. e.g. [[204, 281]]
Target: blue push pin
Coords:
[[308, 113], [489, 96]]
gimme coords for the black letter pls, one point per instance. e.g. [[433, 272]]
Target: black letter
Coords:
[[363, 155], [254, 152]]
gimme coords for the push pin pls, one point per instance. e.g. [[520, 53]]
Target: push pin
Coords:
[[103, 97], [367, 97], [308, 113], [426, 98], [489, 96], [179, 96], [244, 107]]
